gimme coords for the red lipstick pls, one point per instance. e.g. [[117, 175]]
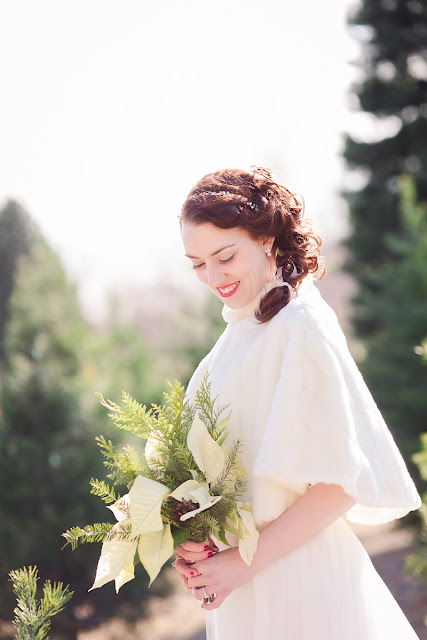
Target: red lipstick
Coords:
[[229, 293]]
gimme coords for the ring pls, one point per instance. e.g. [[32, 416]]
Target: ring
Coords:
[[209, 597]]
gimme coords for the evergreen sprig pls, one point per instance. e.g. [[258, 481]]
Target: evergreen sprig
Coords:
[[32, 616], [103, 491], [90, 533]]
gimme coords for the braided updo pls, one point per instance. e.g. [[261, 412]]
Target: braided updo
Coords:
[[254, 201]]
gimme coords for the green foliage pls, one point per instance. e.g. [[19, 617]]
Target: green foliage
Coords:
[[103, 491], [170, 463], [393, 84], [33, 617], [47, 428], [392, 366], [18, 234], [193, 333], [45, 447], [388, 239], [90, 533], [416, 563]]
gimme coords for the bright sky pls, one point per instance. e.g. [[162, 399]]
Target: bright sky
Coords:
[[112, 111]]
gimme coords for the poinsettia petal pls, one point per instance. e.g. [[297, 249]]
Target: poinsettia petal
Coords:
[[154, 549], [182, 492], [125, 575], [145, 501], [207, 453], [249, 541], [201, 494], [115, 555], [191, 514]]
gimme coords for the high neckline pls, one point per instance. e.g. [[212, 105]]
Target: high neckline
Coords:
[[231, 316]]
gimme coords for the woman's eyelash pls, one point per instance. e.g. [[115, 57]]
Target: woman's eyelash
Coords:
[[198, 266]]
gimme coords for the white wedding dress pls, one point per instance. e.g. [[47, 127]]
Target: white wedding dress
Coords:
[[304, 414]]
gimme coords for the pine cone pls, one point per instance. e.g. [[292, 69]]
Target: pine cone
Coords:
[[184, 506]]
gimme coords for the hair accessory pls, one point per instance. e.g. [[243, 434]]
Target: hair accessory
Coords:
[[212, 193], [249, 204]]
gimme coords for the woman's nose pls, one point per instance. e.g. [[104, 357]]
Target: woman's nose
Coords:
[[216, 276]]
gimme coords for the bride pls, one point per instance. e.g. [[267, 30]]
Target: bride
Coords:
[[316, 449]]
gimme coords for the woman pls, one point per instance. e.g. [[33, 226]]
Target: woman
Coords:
[[316, 449]]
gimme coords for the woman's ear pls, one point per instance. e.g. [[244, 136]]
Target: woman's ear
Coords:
[[267, 242]]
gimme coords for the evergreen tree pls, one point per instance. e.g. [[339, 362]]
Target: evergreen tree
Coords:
[[394, 85], [393, 367], [45, 460], [17, 235], [388, 243], [47, 437]]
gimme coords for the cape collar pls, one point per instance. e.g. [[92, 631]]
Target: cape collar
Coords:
[[231, 316]]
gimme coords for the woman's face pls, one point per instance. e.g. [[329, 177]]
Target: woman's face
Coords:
[[229, 261]]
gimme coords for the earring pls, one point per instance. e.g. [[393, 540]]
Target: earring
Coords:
[[268, 251]]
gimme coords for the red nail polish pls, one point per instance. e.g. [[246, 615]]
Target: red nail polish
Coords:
[[206, 547], [192, 573], [210, 554]]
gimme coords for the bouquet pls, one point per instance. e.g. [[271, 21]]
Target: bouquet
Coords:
[[185, 486]]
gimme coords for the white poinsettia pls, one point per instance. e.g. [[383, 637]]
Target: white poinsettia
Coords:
[[196, 492], [249, 535], [207, 453], [145, 501], [116, 554], [154, 549]]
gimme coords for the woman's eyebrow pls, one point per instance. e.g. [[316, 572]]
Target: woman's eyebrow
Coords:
[[227, 246]]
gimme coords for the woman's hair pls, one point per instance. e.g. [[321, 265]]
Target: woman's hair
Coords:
[[254, 201]]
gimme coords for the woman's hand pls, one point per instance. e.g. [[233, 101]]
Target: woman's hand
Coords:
[[190, 552], [219, 574]]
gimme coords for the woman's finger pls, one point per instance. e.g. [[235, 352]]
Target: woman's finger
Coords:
[[198, 592], [197, 580], [186, 569], [184, 580], [189, 545], [194, 556]]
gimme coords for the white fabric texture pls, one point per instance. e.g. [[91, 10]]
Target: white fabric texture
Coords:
[[304, 414]]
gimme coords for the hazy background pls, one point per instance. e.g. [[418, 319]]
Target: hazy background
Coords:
[[111, 112]]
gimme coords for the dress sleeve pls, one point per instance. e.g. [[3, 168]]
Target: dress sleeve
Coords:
[[324, 426]]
